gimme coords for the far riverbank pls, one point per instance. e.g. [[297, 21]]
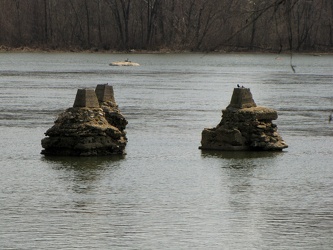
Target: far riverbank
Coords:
[[42, 49]]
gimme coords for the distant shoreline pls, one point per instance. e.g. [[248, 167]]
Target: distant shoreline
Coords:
[[26, 49]]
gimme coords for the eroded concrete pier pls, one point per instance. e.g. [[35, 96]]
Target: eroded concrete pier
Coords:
[[244, 126], [90, 127]]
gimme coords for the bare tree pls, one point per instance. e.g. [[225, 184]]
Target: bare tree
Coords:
[[200, 25], [121, 13]]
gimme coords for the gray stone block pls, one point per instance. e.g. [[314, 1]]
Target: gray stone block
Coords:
[[86, 98], [104, 93]]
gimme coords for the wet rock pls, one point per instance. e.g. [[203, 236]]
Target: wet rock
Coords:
[[93, 126], [244, 126]]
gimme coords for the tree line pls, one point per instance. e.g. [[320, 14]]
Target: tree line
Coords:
[[195, 25]]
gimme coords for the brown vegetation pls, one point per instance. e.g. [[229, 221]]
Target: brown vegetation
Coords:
[[196, 25]]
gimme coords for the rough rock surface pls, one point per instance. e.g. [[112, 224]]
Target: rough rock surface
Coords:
[[244, 126], [85, 129]]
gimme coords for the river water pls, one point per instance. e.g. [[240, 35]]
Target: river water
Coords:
[[166, 193]]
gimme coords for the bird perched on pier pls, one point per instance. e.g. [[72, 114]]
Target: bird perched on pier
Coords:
[[238, 86]]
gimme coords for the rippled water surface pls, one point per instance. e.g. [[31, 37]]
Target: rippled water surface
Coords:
[[166, 193]]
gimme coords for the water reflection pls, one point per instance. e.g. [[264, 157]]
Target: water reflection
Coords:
[[83, 169], [82, 163], [243, 173], [240, 154], [82, 176]]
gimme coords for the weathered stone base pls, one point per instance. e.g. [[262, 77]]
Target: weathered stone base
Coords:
[[83, 146], [223, 139], [244, 129]]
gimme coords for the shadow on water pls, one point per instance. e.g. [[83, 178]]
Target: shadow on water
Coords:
[[82, 173], [242, 159], [82, 163], [239, 154]]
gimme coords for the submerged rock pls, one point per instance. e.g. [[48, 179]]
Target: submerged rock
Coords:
[[244, 126], [93, 126]]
